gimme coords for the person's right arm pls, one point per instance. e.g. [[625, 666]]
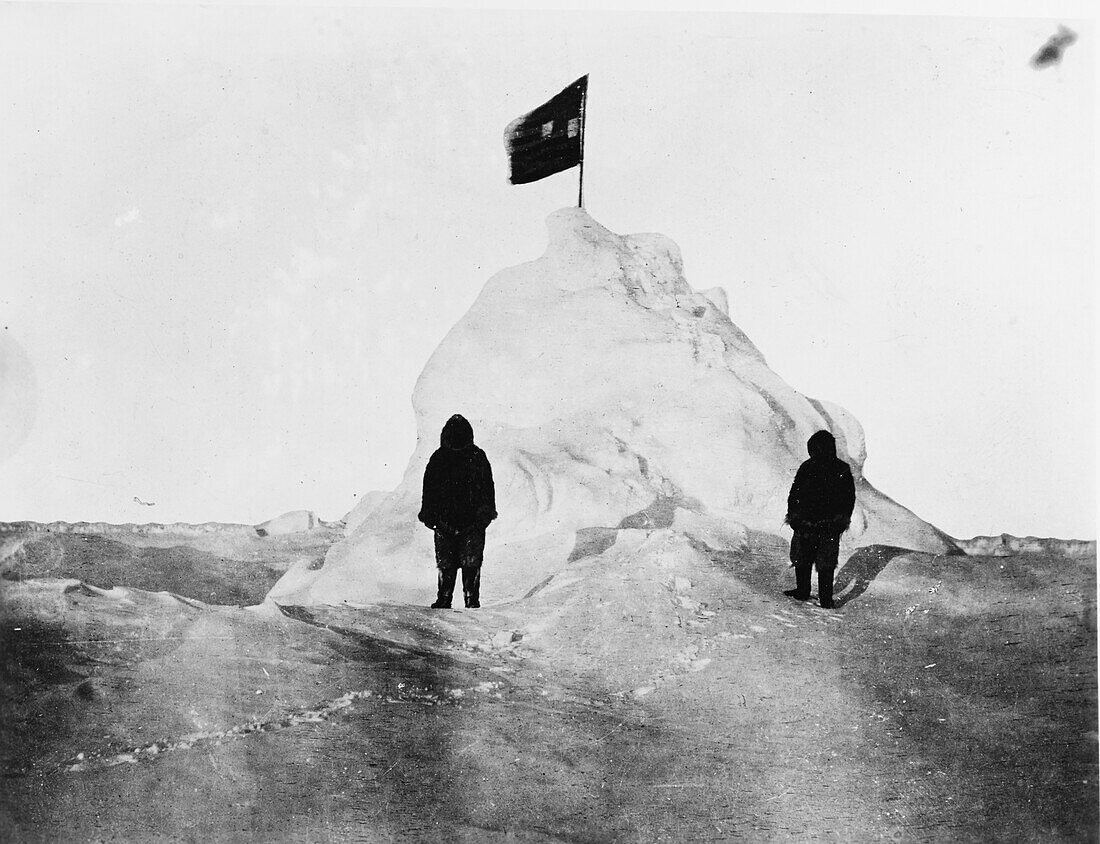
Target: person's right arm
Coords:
[[429, 508]]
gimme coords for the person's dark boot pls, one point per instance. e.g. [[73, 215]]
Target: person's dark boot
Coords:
[[801, 592], [445, 589], [471, 587], [825, 588]]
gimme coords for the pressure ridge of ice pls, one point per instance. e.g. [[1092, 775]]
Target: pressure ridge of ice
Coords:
[[609, 396]]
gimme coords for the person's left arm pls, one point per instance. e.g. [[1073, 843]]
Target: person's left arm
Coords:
[[846, 500], [486, 505]]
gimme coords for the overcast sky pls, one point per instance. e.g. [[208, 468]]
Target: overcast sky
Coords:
[[230, 237]]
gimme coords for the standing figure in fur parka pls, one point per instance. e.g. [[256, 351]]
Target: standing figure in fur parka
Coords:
[[819, 510], [459, 503]]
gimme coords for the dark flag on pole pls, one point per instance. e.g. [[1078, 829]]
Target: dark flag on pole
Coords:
[[550, 138]]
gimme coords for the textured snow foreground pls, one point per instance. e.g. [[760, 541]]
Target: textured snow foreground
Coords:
[[607, 394], [651, 691], [635, 673]]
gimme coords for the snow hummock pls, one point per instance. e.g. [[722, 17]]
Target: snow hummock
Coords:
[[296, 521], [608, 395], [359, 513]]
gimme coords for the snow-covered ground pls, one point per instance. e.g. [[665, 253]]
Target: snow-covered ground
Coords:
[[650, 690]]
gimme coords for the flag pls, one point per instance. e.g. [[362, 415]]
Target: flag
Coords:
[[550, 138]]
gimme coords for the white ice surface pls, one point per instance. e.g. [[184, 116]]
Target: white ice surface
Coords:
[[606, 393]]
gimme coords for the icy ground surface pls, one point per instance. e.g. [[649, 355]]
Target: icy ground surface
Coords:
[[651, 690]]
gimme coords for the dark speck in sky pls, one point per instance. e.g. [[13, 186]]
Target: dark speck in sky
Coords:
[[1051, 52]]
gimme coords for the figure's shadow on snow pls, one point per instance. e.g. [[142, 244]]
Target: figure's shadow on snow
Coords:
[[861, 570]]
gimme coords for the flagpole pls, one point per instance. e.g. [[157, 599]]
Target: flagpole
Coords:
[[580, 189]]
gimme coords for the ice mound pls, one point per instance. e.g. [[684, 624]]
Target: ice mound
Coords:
[[362, 510], [296, 521], [608, 394]]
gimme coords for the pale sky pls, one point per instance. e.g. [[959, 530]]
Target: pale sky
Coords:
[[230, 237]]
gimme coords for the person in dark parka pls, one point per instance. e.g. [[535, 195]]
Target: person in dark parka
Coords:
[[459, 503], [819, 510]]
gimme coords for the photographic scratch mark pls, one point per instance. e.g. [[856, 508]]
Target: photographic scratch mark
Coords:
[[605, 735], [83, 480]]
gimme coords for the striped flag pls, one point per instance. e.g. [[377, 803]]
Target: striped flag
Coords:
[[550, 138]]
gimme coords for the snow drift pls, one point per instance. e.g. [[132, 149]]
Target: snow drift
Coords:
[[608, 395], [296, 521]]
